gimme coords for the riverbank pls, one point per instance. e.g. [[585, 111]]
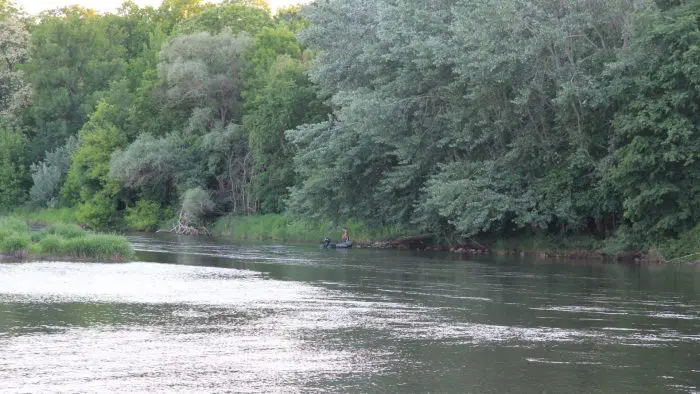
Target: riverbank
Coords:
[[19, 242], [582, 247]]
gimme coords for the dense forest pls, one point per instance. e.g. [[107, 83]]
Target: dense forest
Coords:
[[460, 118]]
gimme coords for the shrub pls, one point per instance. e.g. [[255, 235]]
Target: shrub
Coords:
[[49, 174], [51, 244], [97, 212], [196, 205], [145, 216], [64, 230], [99, 246], [16, 242]]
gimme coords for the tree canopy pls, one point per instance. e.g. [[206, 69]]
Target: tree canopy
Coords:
[[461, 118]]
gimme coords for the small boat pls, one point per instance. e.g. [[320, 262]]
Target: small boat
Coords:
[[326, 244]]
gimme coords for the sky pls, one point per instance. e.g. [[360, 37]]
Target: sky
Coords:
[[36, 6]]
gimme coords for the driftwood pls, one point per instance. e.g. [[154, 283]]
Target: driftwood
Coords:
[[185, 225]]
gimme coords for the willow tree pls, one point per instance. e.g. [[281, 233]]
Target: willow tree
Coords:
[[202, 83], [380, 64], [203, 76]]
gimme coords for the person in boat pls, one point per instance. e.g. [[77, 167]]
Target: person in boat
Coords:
[[344, 236]]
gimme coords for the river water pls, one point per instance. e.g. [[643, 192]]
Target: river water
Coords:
[[195, 315]]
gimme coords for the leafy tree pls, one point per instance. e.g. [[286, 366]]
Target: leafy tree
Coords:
[[49, 174], [75, 54], [13, 173], [203, 75], [287, 100], [447, 102], [15, 92], [279, 96], [657, 137], [233, 16], [87, 183]]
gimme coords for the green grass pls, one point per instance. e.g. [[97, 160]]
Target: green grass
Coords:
[[545, 244], [60, 240], [64, 230], [283, 228], [47, 215]]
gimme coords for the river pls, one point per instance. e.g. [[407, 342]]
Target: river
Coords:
[[196, 315]]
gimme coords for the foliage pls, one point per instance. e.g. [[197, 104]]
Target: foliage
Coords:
[[491, 119], [203, 73], [13, 172], [75, 54], [47, 216], [657, 131], [89, 169], [279, 97], [65, 240], [64, 230], [288, 228], [49, 174], [144, 216], [15, 92], [232, 16], [150, 164], [196, 206]]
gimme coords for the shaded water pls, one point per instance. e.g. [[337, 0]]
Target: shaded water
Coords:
[[193, 315]]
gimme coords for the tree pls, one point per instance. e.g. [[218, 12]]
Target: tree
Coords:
[[657, 135], [203, 75], [278, 97], [76, 53], [87, 183], [49, 174], [233, 16], [13, 173], [15, 92], [288, 99]]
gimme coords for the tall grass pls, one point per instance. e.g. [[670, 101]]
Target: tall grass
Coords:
[[64, 230], [284, 228], [47, 215], [60, 240], [544, 243]]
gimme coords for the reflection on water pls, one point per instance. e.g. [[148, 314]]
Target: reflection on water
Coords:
[[196, 315]]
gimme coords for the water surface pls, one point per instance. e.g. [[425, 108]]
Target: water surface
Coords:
[[195, 315]]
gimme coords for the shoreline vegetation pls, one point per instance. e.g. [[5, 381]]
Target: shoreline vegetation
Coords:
[[562, 129], [276, 227], [55, 233], [26, 240]]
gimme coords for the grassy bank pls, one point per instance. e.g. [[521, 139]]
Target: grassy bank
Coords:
[[59, 240], [616, 248], [46, 216], [282, 228]]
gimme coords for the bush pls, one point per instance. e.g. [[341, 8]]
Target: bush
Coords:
[[686, 247], [49, 215], [98, 246], [98, 212], [49, 174], [13, 224], [196, 206], [65, 230], [51, 244], [145, 216], [16, 242]]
